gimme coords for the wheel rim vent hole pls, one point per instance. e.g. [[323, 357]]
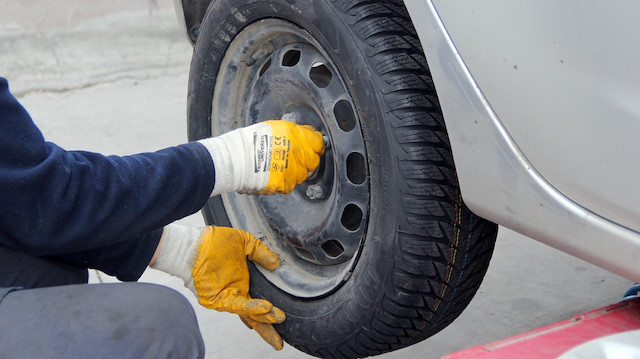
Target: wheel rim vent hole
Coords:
[[291, 58], [320, 75], [265, 67], [344, 115], [351, 217], [333, 248], [356, 169]]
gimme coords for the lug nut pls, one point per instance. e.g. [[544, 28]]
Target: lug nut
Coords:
[[327, 144], [315, 191]]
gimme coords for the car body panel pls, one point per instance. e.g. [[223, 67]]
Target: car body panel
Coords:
[[562, 77], [497, 180]]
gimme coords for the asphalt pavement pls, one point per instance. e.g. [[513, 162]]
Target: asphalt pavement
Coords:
[[111, 77]]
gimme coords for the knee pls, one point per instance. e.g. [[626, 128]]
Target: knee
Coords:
[[100, 321], [163, 301], [167, 322]]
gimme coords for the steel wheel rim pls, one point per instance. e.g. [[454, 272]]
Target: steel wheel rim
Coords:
[[275, 69]]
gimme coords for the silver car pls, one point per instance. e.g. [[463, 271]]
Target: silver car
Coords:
[[443, 119]]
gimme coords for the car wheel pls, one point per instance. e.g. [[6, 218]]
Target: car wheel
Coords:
[[378, 249]]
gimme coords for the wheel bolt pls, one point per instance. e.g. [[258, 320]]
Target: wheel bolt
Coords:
[[315, 191], [327, 144]]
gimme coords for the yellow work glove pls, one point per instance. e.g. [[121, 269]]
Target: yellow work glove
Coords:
[[266, 158], [213, 264]]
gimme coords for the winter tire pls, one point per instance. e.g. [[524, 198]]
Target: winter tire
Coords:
[[379, 251]]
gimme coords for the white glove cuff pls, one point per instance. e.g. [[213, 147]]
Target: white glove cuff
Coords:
[[179, 253], [241, 159]]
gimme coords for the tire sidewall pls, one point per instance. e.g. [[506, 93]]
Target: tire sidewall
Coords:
[[350, 307]]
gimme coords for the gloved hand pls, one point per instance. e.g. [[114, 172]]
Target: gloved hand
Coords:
[[266, 158], [213, 264]]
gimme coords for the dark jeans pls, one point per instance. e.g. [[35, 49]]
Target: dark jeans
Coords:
[[57, 317]]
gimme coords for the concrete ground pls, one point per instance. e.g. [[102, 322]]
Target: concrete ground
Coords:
[[111, 76]]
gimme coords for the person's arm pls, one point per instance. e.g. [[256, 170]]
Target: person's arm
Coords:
[[56, 202]]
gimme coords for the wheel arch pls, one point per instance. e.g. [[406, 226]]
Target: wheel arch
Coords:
[[190, 15]]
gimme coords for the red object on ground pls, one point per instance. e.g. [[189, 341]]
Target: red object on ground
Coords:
[[555, 339]]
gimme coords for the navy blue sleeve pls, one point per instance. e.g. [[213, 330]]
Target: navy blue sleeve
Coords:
[[76, 204], [126, 259]]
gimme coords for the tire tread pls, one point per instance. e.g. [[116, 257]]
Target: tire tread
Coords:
[[413, 307]]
